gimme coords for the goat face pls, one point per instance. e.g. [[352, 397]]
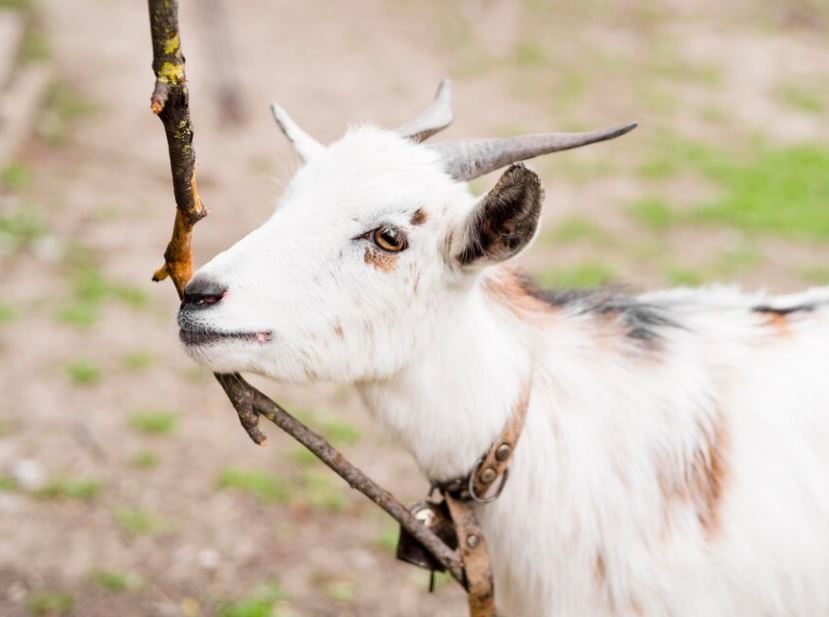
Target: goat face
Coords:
[[340, 281], [374, 244]]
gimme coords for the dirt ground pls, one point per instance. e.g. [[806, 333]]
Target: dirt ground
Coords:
[[126, 485]]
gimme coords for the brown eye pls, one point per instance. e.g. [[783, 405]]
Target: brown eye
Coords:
[[389, 238]]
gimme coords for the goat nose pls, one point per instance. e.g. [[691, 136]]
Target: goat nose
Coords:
[[202, 293]]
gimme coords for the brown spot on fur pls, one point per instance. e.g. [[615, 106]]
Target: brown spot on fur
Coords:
[[780, 322], [600, 569], [709, 473], [701, 483], [509, 288], [338, 329], [419, 217], [385, 262], [781, 318]]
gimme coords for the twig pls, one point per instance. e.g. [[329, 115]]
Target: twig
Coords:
[[250, 402], [170, 101]]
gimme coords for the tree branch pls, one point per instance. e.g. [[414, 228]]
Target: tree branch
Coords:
[[170, 102]]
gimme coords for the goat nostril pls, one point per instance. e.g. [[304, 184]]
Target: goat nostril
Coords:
[[201, 293]]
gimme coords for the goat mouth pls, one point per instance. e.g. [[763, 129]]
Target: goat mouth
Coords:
[[196, 337]]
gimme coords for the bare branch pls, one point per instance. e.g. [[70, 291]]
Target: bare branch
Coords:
[[250, 402], [170, 102]]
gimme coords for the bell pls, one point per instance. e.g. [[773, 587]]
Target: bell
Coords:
[[434, 516]]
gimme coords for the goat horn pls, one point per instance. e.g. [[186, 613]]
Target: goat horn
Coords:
[[306, 146], [465, 160], [434, 118]]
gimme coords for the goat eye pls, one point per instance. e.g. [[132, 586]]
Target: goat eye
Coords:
[[389, 238]]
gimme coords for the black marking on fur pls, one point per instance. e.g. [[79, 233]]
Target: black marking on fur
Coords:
[[642, 322], [784, 311], [506, 220]]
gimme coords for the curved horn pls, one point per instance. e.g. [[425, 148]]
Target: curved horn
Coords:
[[435, 118], [466, 160], [306, 146]]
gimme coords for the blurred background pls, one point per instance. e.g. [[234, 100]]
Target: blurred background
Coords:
[[126, 485]]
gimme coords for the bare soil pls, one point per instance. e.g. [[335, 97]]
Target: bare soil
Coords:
[[694, 68]]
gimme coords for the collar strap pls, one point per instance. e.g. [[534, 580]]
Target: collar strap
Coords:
[[487, 479]]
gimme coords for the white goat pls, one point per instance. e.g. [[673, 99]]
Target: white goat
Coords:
[[675, 459]]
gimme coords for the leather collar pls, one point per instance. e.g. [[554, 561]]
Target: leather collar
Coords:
[[486, 480]]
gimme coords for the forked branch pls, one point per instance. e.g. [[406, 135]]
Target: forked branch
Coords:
[[170, 102]]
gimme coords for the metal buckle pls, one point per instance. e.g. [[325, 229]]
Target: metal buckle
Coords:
[[477, 498]]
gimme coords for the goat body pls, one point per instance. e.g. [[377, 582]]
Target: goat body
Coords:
[[675, 457], [674, 460]]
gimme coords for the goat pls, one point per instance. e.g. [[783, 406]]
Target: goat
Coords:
[[675, 458]]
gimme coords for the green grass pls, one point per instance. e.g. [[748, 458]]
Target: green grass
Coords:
[[442, 579], [320, 491], [670, 154], [92, 286], [159, 423], [267, 487], [767, 188], [7, 313], [261, 602], [84, 489], [653, 213], [35, 46], [685, 277], [15, 177], [79, 314], [64, 106], [48, 603], [303, 457], [115, 582], [138, 360], [740, 258], [338, 432], [342, 592], [20, 228], [589, 274], [7, 427], [138, 522], [801, 97], [83, 372], [90, 289], [577, 228], [387, 540], [529, 54], [145, 459], [7, 483], [571, 89], [17, 5], [784, 191]]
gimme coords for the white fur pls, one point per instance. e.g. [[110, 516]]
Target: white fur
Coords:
[[584, 526]]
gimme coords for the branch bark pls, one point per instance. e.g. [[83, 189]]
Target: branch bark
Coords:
[[170, 102]]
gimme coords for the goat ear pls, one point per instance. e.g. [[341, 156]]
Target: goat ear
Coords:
[[306, 146], [505, 220]]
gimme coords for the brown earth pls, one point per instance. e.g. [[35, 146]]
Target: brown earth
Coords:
[[693, 68]]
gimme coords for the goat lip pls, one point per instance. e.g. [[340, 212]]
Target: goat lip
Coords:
[[193, 338]]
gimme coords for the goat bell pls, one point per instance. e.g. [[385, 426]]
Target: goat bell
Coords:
[[435, 516]]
